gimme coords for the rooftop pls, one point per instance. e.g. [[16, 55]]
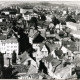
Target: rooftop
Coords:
[[3, 37], [11, 40], [52, 60], [70, 45], [75, 25], [52, 46], [20, 68], [33, 33], [24, 56]]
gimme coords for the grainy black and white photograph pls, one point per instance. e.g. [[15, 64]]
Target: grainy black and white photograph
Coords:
[[40, 39]]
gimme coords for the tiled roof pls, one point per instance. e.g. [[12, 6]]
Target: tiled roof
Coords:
[[53, 61], [72, 45], [38, 39], [33, 33], [52, 46], [20, 68], [3, 37], [11, 40], [32, 70], [24, 56], [41, 45]]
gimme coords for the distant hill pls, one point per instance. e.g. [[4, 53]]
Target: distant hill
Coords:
[[25, 4]]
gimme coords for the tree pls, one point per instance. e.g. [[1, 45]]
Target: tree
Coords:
[[55, 21], [61, 33], [14, 22], [9, 73], [43, 17], [14, 57], [70, 18], [42, 67], [34, 22]]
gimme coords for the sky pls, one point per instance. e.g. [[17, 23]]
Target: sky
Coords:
[[77, 2]]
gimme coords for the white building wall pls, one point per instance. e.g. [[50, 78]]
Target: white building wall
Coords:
[[30, 40], [71, 26], [9, 48], [22, 10]]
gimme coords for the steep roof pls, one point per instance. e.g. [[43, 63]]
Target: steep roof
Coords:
[[32, 70], [38, 39], [33, 33], [52, 60], [24, 56], [52, 46]]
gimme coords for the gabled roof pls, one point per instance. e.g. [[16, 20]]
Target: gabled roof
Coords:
[[32, 70], [52, 60], [24, 56], [38, 39], [52, 46], [41, 45], [33, 33]]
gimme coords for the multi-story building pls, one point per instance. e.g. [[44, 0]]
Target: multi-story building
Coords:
[[8, 45], [12, 45]]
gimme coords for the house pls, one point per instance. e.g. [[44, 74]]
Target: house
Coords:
[[27, 60], [76, 34], [73, 26], [41, 51], [64, 73], [70, 48], [49, 18], [34, 15], [44, 50], [52, 47], [32, 34], [70, 45], [3, 43], [27, 16], [51, 64], [2, 19], [24, 9], [12, 45], [21, 69], [43, 32], [7, 46]]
